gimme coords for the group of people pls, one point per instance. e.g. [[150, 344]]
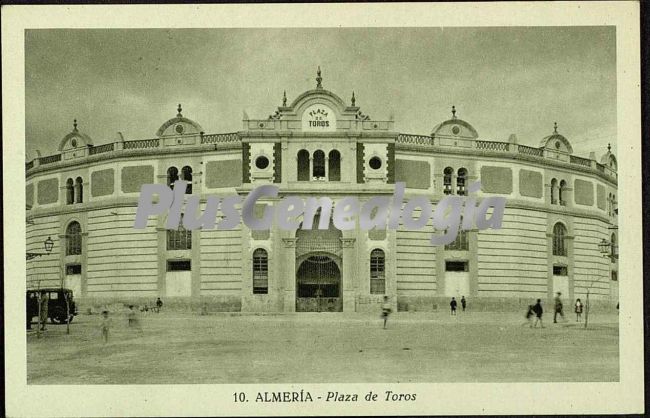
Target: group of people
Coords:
[[386, 308], [453, 304], [132, 316], [537, 311]]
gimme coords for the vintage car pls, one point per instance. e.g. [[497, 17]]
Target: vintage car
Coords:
[[56, 306]]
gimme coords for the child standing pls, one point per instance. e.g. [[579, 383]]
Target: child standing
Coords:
[[385, 310], [578, 310], [453, 305], [105, 325]]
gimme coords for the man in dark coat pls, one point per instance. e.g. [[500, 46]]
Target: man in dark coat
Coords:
[[558, 308], [453, 305], [538, 313]]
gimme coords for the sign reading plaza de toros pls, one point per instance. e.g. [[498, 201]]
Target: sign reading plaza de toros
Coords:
[[318, 118]]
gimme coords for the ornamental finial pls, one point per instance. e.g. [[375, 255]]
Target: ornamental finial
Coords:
[[319, 79], [453, 112], [74, 124], [554, 127], [609, 147], [284, 99], [180, 109], [353, 99]]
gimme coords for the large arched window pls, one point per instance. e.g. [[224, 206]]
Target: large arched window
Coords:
[[554, 192], [186, 172], [69, 192], [461, 181], [73, 239], [446, 181], [319, 164], [260, 272], [79, 190], [377, 272], [172, 176], [562, 193], [334, 166], [303, 165], [179, 239], [559, 239]]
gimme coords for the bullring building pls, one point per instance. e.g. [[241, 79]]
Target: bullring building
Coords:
[[560, 214]]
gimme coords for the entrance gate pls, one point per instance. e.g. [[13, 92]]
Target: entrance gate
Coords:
[[318, 285]]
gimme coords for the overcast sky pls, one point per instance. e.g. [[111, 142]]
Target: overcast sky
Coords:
[[501, 80]]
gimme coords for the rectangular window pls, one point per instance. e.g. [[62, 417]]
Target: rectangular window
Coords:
[[180, 239], [560, 271], [614, 276], [456, 266], [54, 296], [71, 269], [179, 265]]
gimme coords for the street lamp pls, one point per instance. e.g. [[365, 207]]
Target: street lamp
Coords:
[[49, 244], [604, 246], [608, 249]]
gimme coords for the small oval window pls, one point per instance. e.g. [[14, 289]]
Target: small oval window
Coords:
[[455, 130], [375, 163], [179, 129], [261, 162], [74, 142], [557, 145]]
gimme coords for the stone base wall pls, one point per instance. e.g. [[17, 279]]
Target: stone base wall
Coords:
[[485, 304], [173, 304]]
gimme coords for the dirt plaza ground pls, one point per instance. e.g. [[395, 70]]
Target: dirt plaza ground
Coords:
[[181, 348]]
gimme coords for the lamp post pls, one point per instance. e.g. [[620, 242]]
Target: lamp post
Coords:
[[49, 245]]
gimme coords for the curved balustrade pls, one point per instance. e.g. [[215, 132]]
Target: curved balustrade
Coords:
[[219, 138], [102, 148], [580, 161], [492, 146], [49, 159], [536, 152], [414, 139], [142, 144]]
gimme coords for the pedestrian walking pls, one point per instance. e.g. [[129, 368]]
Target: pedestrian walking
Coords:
[[134, 321], [385, 310], [105, 325], [578, 309], [159, 304], [529, 316], [453, 305], [538, 313], [45, 301], [558, 308], [463, 303]]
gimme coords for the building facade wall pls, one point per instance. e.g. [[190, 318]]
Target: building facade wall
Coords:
[[508, 266]]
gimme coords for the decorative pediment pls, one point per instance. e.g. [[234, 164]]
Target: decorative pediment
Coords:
[[179, 126]]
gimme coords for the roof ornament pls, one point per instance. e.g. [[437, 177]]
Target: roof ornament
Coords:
[[609, 147], [319, 79], [74, 124], [353, 99], [284, 99], [453, 112], [180, 109], [554, 127]]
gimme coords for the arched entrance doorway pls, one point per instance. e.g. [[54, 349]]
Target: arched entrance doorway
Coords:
[[318, 285], [318, 269]]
